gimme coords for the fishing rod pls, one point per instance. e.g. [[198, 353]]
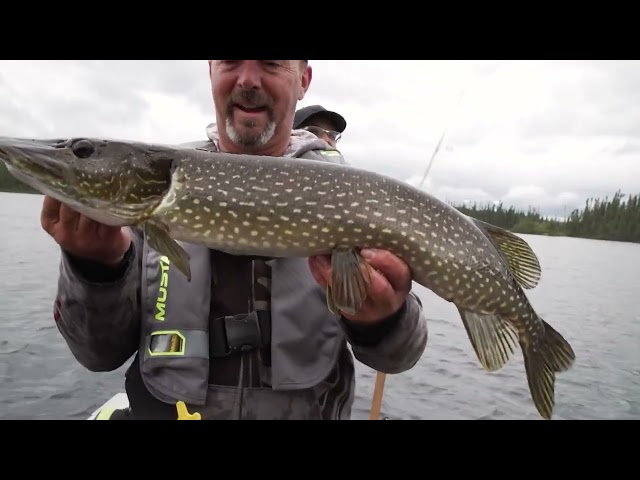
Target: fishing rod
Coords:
[[378, 390], [441, 141]]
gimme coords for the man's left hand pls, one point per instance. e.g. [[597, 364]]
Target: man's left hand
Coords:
[[388, 290]]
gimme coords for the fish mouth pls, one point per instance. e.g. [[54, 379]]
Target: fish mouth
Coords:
[[42, 159]]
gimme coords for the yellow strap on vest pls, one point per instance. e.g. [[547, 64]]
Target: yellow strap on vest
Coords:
[[105, 413], [183, 413]]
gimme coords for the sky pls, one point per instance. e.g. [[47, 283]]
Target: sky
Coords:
[[542, 134]]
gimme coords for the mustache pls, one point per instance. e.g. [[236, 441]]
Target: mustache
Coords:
[[249, 98]]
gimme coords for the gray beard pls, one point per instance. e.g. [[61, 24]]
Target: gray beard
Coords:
[[250, 140]]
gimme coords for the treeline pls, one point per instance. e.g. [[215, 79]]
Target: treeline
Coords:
[[9, 183], [609, 219], [615, 219]]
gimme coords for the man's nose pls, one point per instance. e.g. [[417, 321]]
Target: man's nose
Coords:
[[329, 140], [250, 75]]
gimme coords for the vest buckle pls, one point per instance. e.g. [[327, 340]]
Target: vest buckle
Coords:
[[235, 333]]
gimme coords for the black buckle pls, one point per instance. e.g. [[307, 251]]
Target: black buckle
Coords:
[[233, 334]]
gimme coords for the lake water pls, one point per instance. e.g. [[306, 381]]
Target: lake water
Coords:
[[590, 292]]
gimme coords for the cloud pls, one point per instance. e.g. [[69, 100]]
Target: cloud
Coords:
[[547, 134]]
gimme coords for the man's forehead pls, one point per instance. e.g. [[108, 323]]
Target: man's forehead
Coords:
[[304, 62]]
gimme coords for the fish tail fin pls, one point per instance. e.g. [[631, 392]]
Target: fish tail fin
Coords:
[[541, 379], [542, 359]]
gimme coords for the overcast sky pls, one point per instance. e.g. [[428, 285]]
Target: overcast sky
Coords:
[[541, 133]]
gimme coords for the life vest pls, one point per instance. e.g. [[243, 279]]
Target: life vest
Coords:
[[192, 332]]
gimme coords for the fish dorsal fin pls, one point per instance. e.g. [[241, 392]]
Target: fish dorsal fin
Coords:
[[523, 262]]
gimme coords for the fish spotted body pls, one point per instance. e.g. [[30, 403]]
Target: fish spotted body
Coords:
[[289, 207]]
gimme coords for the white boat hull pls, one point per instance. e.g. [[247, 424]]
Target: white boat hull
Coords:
[[118, 401]]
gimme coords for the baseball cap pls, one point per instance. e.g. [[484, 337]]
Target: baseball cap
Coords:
[[305, 113]]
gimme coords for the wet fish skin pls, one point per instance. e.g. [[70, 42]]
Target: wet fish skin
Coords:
[[283, 207]]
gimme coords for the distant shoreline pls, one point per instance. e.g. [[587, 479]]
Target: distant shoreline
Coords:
[[616, 219]]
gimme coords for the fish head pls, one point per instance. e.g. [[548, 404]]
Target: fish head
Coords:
[[100, 178]]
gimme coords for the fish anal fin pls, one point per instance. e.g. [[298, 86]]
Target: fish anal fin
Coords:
[[161, 242], [522, 261], [558, 352], [493, 338], [350, 279]]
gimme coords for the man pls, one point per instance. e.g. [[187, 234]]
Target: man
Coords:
[[324, 124], [246, 338]]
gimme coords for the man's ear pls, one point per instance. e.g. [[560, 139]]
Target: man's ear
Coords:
[[211, 78], [305, 81]]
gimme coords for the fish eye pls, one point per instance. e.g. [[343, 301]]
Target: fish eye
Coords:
[[83, 148]]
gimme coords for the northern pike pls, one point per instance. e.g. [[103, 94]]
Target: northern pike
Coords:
[[289, 207]]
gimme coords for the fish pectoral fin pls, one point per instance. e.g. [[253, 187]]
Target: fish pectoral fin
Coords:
[[161, 242], [521, 259], [493, 338], [350, 279], [330, 304]]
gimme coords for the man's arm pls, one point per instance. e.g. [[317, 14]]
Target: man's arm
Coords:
[[97, 308], [393, 345]]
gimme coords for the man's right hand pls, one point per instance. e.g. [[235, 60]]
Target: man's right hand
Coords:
[[83, 237]]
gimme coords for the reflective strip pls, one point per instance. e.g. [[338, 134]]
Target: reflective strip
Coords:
[[331, 153], [177, 343], [333, 156]]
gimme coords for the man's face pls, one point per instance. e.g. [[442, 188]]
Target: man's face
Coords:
[[255, 100], [323, 127]]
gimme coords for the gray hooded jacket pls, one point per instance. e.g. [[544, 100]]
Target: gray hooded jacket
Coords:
[[105, 319]]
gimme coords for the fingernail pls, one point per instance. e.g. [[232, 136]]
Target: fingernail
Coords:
[[368, 253]]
